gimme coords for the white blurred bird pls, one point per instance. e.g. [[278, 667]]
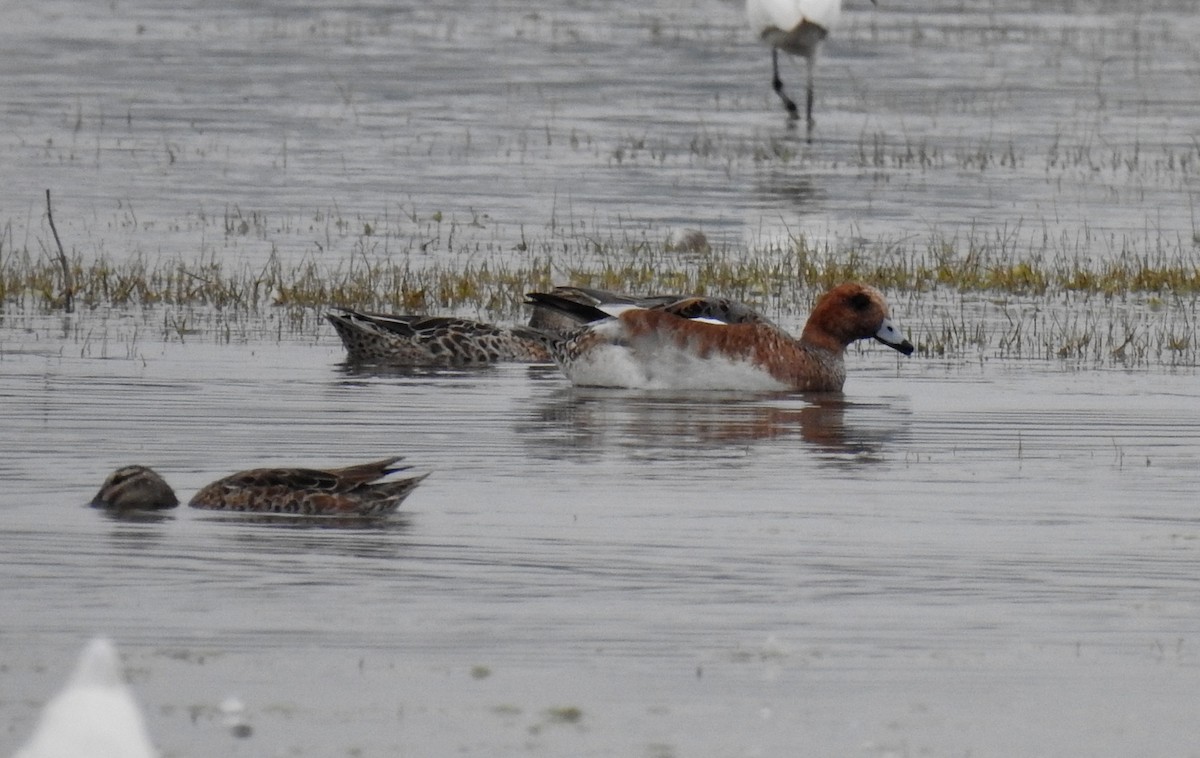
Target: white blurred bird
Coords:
[[796, 27], [95, 716]]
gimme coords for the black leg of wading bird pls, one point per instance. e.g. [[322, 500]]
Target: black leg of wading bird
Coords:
[[777, 84], [808, 102]]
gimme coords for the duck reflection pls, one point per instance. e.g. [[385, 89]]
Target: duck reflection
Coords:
[[356, 372], [265, 540], [138, 517], [306, 523], [576, 421], [788, 190]]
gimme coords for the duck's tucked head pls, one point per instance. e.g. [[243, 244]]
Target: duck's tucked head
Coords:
[[135, 488], [853, 311]]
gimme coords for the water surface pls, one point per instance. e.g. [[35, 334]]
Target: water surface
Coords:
[[270, 128], [948, 558], [990, 553]]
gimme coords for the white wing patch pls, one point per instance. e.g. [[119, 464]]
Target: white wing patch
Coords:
[[616, 309]]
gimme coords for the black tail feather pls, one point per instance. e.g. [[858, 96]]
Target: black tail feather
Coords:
[[581, 312]]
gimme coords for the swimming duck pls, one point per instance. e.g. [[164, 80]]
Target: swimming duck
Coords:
[[657, 349], [432, 340], [350, 491]]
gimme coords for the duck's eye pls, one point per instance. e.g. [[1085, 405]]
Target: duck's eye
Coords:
[[860, 301]]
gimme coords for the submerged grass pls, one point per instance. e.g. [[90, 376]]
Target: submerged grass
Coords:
[[787, 272], [1093, 300]]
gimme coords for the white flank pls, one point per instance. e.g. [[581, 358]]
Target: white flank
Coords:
[[606, 366], [659, 364], [672, 368]]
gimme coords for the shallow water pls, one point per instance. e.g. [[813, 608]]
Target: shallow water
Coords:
[[975, 555], [991, 558], [268, 128]]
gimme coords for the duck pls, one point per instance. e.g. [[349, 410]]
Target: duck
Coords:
[[135, 488], [419, 341], [654, 348], [95, 715], [796, 27], [403, 340], [358, 491]]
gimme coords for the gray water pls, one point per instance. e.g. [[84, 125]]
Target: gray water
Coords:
[[970, 555], [1066, 127], [994, 559]]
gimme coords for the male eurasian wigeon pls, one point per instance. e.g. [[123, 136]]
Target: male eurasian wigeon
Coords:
[[135, 488], [350, 491], [400, 340], [657, 349]]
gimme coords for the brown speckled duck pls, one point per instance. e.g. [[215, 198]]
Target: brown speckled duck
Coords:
[[432, 340], [361, 491], [135, 488], [351, 491]]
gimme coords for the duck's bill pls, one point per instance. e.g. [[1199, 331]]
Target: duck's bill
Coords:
[[889, 335]]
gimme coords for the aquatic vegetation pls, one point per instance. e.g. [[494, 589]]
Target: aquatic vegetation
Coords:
[[565, 715], [1007, 291]]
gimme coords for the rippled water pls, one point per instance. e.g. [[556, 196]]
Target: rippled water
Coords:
[[946, 559], [971, 556], [270, 127]]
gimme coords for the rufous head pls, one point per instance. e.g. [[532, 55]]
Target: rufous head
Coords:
[[849, 312]]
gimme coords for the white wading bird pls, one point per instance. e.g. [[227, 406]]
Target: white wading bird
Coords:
[[796, 27], [95, 716]]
